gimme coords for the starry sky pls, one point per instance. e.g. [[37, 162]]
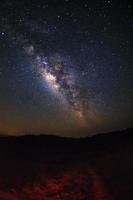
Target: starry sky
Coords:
[[66, 67]]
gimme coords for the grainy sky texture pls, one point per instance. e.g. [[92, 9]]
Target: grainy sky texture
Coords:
[[66, 67]]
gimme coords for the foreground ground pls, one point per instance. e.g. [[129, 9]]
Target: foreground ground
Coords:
[[107, 175]]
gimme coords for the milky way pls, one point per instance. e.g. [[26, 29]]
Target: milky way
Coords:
[[54, 70], [65, 66], [58, 77]]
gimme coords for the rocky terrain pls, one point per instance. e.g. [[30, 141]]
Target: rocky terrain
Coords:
[[53, 168]]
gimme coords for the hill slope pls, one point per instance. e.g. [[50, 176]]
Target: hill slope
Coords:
[[51, 168]]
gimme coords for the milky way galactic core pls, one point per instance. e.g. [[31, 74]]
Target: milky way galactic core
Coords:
[[58, 77]]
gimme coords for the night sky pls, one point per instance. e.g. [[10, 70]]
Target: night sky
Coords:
[[66, 67]]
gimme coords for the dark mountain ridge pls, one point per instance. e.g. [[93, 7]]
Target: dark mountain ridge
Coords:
[[50, 147]]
